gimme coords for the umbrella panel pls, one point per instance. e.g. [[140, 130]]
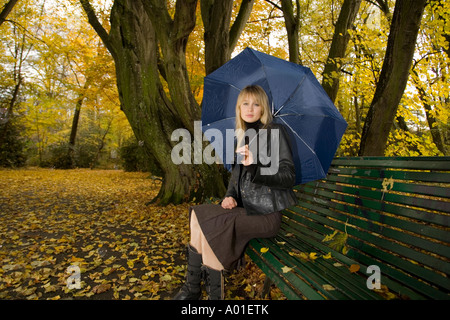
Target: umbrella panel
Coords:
[[300, 103]]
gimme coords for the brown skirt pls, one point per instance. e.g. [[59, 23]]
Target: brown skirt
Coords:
[[229, 231]]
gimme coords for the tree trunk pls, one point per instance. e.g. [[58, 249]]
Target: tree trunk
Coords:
[[394, 76], [74, 129], [220, 39], [432, 123], [144, 37], [101, 145], [331, 73], [6, 10], [292, 23]]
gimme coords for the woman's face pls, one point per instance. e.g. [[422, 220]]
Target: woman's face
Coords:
[[251, 111]]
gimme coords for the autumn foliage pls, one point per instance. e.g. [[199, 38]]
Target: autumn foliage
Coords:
[[55, 68], [97, 220], [67, 101]]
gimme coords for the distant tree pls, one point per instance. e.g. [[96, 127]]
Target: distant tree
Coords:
[[341, 37], [6, 10], [394, 76], [148, 41]]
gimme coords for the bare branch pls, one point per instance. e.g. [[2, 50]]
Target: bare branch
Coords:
[[6, 10], [93, 21], [240, 22]]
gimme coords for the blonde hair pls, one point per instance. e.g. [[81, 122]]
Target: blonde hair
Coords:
[[261, 98]]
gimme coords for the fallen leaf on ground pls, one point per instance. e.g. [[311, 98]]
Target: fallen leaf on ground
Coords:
[[100, 221], [101, 288]]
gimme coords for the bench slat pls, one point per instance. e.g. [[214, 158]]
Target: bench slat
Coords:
[[383, 198], [321, 272], [347, 259], [433, 177], [261, 260], [423, 163], [363, 266], [401, 277], [407, 189], [386, 244], [397, 275], [385, 225], [354, 199], [395, 213]]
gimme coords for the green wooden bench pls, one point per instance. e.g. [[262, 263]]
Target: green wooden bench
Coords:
[[389, 213]]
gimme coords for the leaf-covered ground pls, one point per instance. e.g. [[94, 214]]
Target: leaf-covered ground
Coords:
[[95, 222]]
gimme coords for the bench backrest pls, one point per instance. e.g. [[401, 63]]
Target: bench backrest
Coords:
[[393, 212]]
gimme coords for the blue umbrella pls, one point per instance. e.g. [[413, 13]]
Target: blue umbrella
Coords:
[[298, 102]]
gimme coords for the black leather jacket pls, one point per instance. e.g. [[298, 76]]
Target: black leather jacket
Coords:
[[256, 190]]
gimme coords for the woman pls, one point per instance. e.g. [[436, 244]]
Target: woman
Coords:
[[250, 208]]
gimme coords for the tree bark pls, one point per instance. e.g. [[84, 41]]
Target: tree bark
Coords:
[[75, 121], [431, 120], [331, 73], [6, 10], [220, 38], [144, 39], [292, 23], [74, 130], [394, 76]]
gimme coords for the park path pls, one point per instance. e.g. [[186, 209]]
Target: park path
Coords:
[[94, 221], [96, 224]]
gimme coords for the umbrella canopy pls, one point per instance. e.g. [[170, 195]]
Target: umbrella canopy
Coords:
[[298, 102]]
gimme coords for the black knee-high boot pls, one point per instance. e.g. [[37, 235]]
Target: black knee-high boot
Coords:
[[191, 289], [214, 282]]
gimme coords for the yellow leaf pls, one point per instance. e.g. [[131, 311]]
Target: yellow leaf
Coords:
[[248, 288], [328, 287], [166, 277], [327, 256], [286, 269], [345, 250], [313, 255], [329, 237], [264, 250], [299, 254], [75, 259], [107, 271]]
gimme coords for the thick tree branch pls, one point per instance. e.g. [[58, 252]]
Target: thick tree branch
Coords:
[[93, 21], [292, 22], [347, 16], [240, 22], [184, 20], [6, 10], [394, 76], [178, 29]]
